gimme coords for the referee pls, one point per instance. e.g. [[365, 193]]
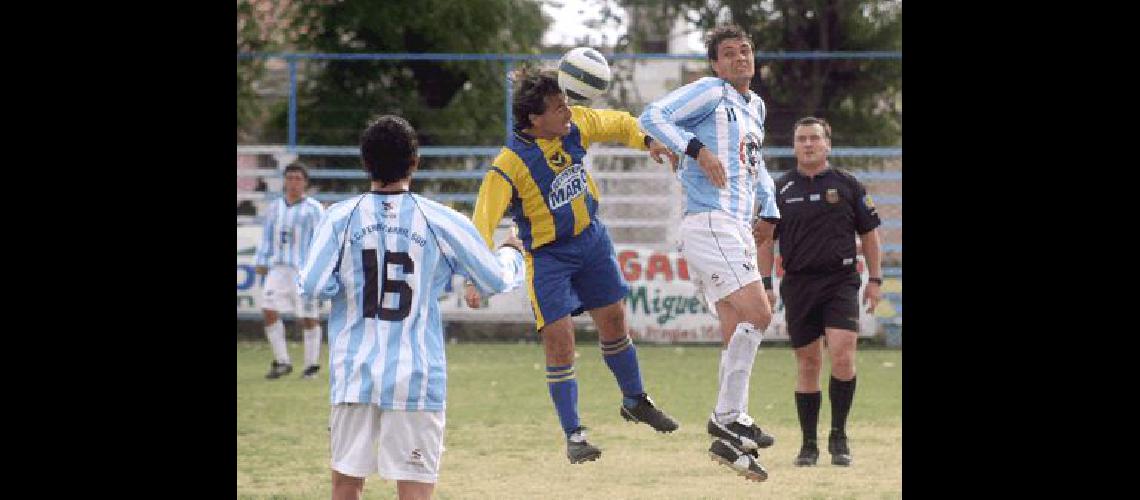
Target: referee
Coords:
[[822, 210]]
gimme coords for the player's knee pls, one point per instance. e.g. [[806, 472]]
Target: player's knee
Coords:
[[809, 364], [760, 317], [347, 486], [843, 361]]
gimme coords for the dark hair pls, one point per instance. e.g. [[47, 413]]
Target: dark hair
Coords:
[[811, 120], [296, 167], [388, 147], [530, 95], [722, 33]]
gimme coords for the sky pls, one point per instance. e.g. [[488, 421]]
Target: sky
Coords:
[[567, 24]]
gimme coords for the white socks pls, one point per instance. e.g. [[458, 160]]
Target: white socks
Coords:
[[276, 334], [735, 371], [313, 346]]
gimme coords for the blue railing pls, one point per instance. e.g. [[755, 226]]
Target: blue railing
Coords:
[[509, 60]]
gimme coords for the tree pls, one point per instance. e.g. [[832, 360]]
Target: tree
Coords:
[[448, 102], [861, 98]]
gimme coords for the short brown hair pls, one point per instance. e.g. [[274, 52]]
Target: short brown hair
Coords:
[[722, 33], [530, 93], [811, 120], [297, 167]]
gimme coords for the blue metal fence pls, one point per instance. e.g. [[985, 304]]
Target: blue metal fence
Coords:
[[508, 60]]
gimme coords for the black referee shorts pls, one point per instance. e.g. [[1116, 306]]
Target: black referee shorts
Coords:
[[813, 302]]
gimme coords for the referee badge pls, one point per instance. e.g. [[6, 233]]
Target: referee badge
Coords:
[[832, 196]]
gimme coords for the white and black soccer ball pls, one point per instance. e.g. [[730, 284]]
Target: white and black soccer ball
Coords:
[[583, 74]]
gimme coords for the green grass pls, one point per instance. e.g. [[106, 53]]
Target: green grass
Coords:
[[503, 439]]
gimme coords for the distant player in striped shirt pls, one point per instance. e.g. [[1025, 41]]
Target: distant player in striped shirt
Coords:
[[289, 225], [719, 123], [384, 258]]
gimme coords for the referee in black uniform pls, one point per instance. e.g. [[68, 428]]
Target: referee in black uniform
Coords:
[[822, 211]]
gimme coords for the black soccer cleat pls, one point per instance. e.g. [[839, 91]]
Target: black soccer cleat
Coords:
[[742, 462], [645, 411], [809, 454], [742, 433], [276, 370], [578, 450], [837, 446], [310, 372]]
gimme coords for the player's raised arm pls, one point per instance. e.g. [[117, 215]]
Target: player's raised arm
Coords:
[[608, 125], [662, 118], [611, 125]]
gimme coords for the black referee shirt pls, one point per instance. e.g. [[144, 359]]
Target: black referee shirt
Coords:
[[819, 218]]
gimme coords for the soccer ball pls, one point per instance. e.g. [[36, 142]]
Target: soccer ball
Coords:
[[583, 74]]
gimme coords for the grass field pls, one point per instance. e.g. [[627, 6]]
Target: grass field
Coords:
[[503, 439]]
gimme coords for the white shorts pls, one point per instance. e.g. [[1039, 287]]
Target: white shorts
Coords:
[[720, 252], [398, 445], [281, 294]]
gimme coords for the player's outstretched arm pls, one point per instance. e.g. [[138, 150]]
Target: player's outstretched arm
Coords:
[[317, 277], [665, 119], [491, 271]]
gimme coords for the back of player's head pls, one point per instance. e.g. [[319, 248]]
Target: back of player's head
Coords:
[[722, 33], [530, 95], [388, 147], [811, 120], [297, 167]]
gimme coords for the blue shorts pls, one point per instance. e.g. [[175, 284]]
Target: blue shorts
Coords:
[[572, 276]]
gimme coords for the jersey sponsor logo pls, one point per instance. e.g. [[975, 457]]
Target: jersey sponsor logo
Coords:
[[569, 184], [832, 196], [749, 150]]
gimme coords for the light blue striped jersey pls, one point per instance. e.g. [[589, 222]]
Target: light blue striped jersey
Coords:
[[730, 126], [287, 231], [396, 254]]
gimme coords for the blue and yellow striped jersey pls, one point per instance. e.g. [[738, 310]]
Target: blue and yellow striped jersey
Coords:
[[545, 184]]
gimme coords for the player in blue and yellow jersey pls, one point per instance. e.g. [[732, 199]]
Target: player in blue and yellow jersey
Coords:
[[541, 178]]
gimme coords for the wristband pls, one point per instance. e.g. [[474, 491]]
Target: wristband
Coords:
[[767, 280], [877, 281], [694, 148]]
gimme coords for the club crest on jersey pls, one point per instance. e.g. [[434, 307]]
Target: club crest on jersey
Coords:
[[558, 159], [750, 153], [832, 196], [569, 184]]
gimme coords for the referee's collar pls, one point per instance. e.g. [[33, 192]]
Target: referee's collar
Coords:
[[826, 171]]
